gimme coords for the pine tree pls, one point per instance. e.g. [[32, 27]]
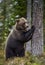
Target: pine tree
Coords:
[[37, 41]]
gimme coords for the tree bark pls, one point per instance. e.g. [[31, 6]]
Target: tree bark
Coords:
[[37, 40], [28, 44]]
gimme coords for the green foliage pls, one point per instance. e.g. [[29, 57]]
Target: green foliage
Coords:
[[9, 12]]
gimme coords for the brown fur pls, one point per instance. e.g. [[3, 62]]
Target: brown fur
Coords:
[[17, 38]]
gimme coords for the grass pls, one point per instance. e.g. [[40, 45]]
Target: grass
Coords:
[[27, 60], [1, 57]]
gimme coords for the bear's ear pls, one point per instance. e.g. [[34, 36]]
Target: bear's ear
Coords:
[[17, 20]]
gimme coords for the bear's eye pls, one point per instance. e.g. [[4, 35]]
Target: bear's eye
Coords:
[[23, 23]]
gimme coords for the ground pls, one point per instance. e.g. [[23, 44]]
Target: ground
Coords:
[[27, 60]]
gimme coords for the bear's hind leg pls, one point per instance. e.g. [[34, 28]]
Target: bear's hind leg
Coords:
[[22, 53], [9, 53]]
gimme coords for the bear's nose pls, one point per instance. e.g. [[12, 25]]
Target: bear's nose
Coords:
[[26, 25]]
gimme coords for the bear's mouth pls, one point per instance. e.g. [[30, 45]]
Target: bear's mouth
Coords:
[[27, 28]]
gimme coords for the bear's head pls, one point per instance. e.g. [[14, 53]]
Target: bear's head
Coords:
[[22, 24]]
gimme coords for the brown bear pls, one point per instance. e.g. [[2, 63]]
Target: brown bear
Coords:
[[17, 38]]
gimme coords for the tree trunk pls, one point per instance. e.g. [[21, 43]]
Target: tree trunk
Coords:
[[37, 40], [28, 45]]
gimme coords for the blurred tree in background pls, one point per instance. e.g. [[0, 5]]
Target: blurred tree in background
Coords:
[[44, 22]]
